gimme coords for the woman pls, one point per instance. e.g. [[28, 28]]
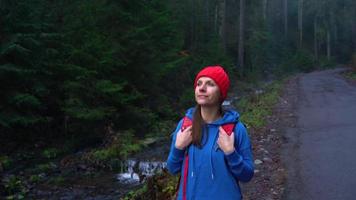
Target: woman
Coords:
[[212, 161]]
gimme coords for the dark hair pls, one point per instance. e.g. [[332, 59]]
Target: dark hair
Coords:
[[197, 127]]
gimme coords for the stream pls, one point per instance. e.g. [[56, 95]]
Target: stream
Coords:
[[137, 171], [106, 185]]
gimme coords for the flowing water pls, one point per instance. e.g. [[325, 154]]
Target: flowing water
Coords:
[[137, 171]]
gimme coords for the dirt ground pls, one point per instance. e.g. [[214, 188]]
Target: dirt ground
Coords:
[[270, 175]]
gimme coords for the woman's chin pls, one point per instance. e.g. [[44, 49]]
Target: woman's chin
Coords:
[[205, 104]]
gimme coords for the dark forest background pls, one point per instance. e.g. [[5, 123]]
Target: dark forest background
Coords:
[[77, 68]]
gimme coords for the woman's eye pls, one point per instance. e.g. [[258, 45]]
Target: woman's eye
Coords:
[[211, 84]]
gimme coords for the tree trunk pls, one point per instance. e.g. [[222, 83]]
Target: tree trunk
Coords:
[[353, 32], [207, 14], [332, 25], [353, 28], [264, 9], [285, 18], [300, 22], [193, 21], [222, 25], [216, 16], [241, 37], [328, 45], [315, 38], [328, 33]]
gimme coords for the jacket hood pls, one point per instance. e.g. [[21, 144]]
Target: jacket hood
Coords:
[[229, 116]]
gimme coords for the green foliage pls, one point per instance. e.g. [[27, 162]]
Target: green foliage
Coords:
[[350, 75], [128, 145], [160, 186], [106, 154], [171, 185], [353, 62], [258, 48], [57, 180], [119, 148], [129, 148], [15, 197], [44, 168], [162, 129], [35, 178], [51, 153], [256, 117], [23, 71], [14, 187], [187, 97], [325, 63], [25, 100], [136, 194], [5, 162], [303, 60], [121, 66], [108, 70], [256, 108], [300, 61]]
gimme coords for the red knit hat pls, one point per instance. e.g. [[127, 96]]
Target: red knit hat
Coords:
[[218, 74]]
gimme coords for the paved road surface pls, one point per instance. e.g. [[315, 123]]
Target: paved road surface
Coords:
[[320, 155]]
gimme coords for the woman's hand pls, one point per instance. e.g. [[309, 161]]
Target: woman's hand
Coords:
[[184, 138], [225, 141]]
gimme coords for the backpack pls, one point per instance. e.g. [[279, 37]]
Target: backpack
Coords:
[[229, 128]]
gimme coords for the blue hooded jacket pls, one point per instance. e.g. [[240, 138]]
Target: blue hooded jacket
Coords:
[[212, 175]]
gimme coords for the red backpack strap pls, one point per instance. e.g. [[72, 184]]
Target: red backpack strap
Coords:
[[186, 123], [229, 128], [185, 179]]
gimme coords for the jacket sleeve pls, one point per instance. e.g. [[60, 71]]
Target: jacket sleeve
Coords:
[[176, 156], [240, 161]]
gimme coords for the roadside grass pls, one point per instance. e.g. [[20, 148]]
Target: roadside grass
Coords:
[[254, 108], [351, 75]]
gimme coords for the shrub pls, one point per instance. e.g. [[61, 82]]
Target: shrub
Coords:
[[5, 162], [50, 153], [14, 185], [353, 63], [304, 61]]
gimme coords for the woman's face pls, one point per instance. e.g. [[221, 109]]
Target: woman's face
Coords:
[[207, 92]]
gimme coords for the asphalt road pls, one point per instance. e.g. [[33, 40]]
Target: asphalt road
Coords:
[[320, 154]]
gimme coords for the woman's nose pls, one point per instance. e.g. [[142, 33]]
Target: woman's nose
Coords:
[[202, 88]]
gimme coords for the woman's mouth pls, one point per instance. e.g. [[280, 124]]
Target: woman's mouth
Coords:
[[202, 96]]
